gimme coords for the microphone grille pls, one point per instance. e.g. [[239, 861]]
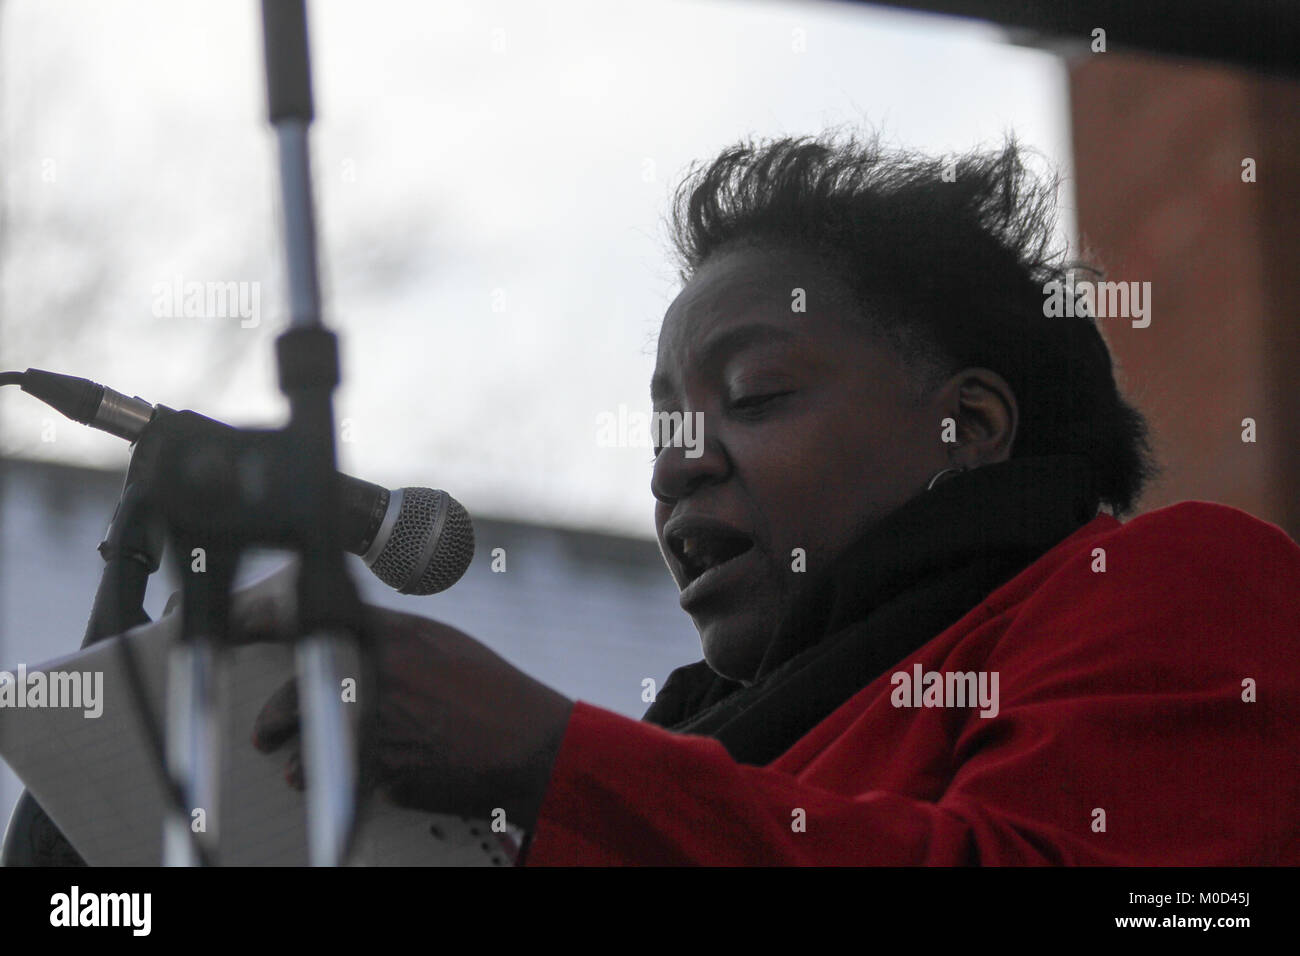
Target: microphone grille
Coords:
[[431, 545]]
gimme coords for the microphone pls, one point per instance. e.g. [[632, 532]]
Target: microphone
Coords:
[[415, 540]]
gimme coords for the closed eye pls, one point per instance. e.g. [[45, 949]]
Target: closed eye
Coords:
[[751, 404]]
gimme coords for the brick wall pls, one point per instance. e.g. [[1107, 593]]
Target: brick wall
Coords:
[[1158, 148]]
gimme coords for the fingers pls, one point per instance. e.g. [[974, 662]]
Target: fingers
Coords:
[[267, 609], [295, 776], [278, 720], [173, 602], [293, 773], [259, 619], [403, 790]]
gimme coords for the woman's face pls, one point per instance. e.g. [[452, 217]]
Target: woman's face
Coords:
[[812, 431]]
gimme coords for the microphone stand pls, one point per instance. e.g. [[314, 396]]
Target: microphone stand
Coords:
[[246, 487], [328, 606], [217, 491], [132, 550]]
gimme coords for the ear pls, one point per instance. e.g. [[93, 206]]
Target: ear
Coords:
[[985, 410]]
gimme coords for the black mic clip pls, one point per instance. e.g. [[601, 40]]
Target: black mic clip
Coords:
[[221, 490]]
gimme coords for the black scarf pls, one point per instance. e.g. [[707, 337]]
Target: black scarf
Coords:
[[909, 578]]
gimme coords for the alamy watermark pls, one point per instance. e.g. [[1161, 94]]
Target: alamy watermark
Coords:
[[181, 299], [946, 689], [1085, 298], [628, 428], [132, 911], [78, 690]]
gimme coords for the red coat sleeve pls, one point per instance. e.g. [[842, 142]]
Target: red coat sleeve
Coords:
[[624, 792], [1148, 715]]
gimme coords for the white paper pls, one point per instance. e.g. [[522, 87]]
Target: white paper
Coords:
[[95, 776]]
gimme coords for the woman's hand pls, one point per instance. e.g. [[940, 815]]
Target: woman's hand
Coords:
[[459, 730]]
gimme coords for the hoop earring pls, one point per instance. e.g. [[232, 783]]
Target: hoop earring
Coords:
[[955, 470]]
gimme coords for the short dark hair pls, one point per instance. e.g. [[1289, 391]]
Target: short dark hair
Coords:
[[949, 269]]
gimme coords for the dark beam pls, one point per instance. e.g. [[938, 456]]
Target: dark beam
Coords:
[[1262, 35]]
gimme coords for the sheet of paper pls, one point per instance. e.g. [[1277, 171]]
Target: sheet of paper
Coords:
[[95, 777]]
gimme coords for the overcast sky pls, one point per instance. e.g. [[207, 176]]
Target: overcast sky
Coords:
[[491, 180]]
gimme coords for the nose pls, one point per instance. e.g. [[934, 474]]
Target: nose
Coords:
[[680, 470]]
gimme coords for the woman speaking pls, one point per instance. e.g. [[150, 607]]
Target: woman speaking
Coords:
[[927, 636]]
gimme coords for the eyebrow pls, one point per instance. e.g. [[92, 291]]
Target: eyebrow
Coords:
[[730, 341]]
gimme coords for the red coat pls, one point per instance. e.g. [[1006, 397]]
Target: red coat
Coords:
[[1125, 731]]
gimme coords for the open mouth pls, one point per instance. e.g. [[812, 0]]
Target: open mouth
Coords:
[[701, 546]]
